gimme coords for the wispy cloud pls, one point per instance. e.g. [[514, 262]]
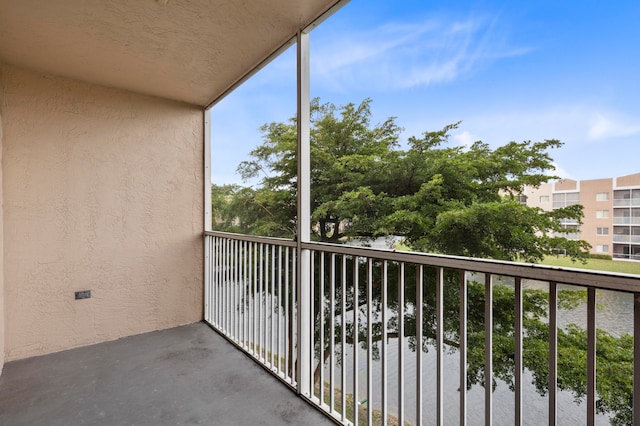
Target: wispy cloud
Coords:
[[401, 56], [608, 125]]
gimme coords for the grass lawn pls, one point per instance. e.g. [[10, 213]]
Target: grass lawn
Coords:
[[595, 264]]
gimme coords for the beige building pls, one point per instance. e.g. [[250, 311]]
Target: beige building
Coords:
[[611, 221]]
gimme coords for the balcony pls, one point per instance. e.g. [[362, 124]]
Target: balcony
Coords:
[[626, 220], [627, 202], [342, 326], [104, 187], [632, 239]]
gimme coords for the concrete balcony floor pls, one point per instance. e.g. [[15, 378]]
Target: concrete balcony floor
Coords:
[[181, 376]]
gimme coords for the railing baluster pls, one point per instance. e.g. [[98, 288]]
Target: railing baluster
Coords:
[[419, 299], [245, 290], [287, 339], [384, 344], [463, 348], [355, 340], [591, 356], [636, 359], [236, 287], [225, 283], [369, 342], [272, 295], [279, 316], [518, 351], [254, 301], [313, 320], [401, 344], [261, 324], [440, 345], [343, 324], [321, 307], [553, 354], [488, 350], [332, 334]]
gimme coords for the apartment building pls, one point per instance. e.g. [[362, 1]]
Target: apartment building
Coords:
[[611, 221]]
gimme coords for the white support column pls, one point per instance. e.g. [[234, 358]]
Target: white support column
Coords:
[[304, 325], [207, 170]]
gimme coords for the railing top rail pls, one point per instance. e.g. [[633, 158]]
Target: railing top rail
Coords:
[[573, 276], [252, 238]]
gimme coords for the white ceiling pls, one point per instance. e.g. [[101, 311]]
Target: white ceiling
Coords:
[[186, 50]]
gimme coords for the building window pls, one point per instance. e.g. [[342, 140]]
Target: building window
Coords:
[[602, 196], [602, 214], [522, 199], [602, 248], [544, 198], [602, 231]]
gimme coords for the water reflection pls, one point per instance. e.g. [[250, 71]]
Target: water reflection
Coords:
[[342, 308]]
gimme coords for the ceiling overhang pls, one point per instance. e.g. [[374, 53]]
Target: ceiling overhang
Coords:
[[187, 50]]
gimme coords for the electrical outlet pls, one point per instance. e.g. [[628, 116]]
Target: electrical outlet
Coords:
[[84, 294]]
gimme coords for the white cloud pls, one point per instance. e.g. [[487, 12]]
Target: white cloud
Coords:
[[465, 139], [609, 125], [395, 56]]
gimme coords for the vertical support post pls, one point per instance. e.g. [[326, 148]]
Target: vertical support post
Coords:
[[208, 224], [303, 225]]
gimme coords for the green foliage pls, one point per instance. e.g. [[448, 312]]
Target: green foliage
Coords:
[[600, 256], [443, 199]]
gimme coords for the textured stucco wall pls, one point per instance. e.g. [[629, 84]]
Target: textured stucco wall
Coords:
[[102, 191], [1, 241]]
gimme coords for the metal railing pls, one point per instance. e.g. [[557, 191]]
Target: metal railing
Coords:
[[626, 202], [396, 336], [250, 293], [633, 239], [626, 220]]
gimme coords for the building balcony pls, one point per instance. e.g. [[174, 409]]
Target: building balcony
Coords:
[[632, 239], [627, 202], [626, 220]]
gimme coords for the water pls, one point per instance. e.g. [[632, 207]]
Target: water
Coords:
[[614, 315]]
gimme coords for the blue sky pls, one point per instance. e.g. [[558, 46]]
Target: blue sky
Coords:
[[518, 71]]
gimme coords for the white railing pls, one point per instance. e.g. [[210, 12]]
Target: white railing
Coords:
[[396, 336], [250, 293], [626, 202], [633, 239], [626, 220]]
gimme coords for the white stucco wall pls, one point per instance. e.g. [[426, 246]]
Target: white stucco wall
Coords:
[[102, 192]]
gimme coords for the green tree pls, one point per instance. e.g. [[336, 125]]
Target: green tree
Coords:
[[439, 198]]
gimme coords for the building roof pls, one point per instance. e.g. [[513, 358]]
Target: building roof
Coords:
[[186, 50]]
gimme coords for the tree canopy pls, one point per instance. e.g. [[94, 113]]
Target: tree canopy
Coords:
[[364, 184]]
